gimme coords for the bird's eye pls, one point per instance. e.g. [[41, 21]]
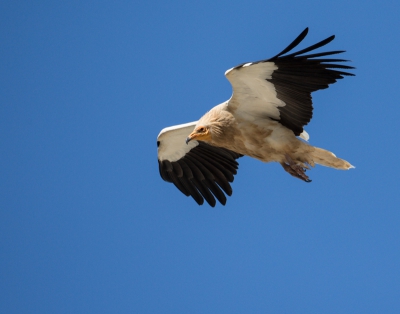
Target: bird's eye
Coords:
[[158, 143], [201, 130]]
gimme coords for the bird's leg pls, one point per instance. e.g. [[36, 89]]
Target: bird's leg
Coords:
[[297, 171]]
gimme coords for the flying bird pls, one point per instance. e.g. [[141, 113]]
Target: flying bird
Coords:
[[264, 119]]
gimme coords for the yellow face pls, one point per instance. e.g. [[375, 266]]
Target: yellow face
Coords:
[[201, 133]]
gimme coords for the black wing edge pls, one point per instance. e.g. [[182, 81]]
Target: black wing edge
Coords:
[[299, 75], [297, 55], [205, 172]]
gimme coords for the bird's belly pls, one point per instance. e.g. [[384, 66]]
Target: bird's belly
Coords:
[[267, 141]]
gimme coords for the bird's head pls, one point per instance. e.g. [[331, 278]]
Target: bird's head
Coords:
[[212, 126], [200, 133]]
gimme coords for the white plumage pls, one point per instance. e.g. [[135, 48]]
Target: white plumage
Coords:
[[173, 139]]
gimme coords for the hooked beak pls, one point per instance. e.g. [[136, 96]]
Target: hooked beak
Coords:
[[196, 135]]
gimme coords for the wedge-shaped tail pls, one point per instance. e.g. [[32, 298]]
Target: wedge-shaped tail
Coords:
[[328, 159]]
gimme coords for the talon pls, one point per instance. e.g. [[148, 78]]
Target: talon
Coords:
[[296, 170]]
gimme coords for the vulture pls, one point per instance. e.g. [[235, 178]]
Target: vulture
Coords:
[[264, 119]]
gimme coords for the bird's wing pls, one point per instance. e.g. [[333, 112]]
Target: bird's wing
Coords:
[[280, 88], [197, 169]]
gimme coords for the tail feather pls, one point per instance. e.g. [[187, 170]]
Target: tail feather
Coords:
[[328, 159]]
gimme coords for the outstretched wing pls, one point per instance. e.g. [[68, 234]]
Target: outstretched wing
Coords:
[[198, 169], [280, 87]]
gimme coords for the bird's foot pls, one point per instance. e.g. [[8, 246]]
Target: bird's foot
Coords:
[[297, 170]]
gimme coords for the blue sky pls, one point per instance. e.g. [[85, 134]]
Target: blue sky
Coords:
[[88, 226]]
